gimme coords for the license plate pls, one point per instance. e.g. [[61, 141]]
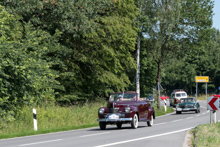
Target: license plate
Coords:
[[113, 116], [186, 109]]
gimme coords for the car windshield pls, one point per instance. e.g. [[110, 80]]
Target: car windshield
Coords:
[[180, 94], [191, 100], [187, 100], [183, 94], [150, 97], [122, 97]]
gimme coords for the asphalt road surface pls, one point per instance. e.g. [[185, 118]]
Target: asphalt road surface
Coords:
[[168, 131]]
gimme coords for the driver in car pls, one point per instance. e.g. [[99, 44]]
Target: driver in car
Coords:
[[120, 98]]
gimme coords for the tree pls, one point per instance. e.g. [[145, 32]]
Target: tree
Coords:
[[200, 59], [174, 22]]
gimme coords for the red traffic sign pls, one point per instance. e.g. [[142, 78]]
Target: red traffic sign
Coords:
[[164, 97], [217, 96], [213, 103]]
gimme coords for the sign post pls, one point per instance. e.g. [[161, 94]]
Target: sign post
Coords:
[[213, 105], [201, 79]]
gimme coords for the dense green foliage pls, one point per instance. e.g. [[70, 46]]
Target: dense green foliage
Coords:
[[73, 51], [25, 77]]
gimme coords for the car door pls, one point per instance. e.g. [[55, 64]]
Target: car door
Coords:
[[143, 107], [172, 98]]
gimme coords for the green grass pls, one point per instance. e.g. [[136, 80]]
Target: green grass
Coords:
[[202, 96], [162, 111], [55, 119], [206, 135]]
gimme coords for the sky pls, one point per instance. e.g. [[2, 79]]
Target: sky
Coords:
[[216, 16]]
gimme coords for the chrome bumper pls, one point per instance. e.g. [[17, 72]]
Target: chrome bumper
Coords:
[[186, 109], [114, 120]]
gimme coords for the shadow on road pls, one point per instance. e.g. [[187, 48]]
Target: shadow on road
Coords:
[[114, 128], [184, 113]]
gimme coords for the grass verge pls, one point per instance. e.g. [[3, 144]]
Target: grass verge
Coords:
[[162, 111], [55, 119], [206, 135], [202, 96]]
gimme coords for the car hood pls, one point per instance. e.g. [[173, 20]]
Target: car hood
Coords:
[[120, 104], [186, 103]]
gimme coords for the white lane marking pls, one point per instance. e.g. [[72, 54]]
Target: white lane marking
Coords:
[[126, 141], [189, 117], [198, 115], [203, 113], [62, 132], [177, 120], [160, 123], [41, 142], [94, 134]]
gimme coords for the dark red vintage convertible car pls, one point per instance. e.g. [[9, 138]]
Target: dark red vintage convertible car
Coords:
[[124, 107]]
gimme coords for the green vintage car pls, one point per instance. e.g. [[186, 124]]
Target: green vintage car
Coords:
[[187, 104]]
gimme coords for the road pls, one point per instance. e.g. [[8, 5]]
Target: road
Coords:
[[168, 130]]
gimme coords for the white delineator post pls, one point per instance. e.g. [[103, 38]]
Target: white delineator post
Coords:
[[214, 116], [35, 119], [213, 105], [165, 105]]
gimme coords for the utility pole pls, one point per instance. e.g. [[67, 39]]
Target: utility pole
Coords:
[[138, 59], [138, 67]]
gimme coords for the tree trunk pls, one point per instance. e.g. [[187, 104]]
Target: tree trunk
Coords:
[[158, 83]]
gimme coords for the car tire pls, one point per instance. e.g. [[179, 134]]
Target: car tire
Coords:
[[134, 122], [171, 104], [151, 122], [178, 112], [119, 125], [102, 125], [197, 110]]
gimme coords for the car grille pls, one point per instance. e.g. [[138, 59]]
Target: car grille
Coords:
[[114, 110], [187, 106]]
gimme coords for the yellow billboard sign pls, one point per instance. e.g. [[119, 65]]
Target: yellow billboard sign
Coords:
[[202, 79]]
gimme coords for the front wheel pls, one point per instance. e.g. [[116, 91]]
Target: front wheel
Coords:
[[151, 122], [102, 125], [198, 110], [119, 125], [178, 112], [134, 122]]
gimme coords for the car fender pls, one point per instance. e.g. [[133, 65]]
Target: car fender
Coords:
[[134, 110], [150, 113]]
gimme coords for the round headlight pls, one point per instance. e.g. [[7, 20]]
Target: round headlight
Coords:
[[101, 110], [127, 109]]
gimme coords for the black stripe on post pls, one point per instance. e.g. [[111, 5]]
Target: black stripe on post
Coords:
[[34, 116]]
